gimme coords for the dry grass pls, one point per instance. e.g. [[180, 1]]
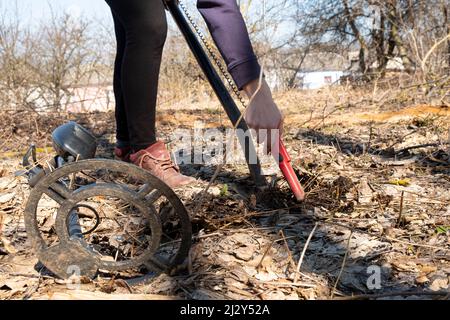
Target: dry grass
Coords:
[[347, 150]]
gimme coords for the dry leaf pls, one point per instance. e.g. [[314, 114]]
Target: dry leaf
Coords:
[[422, 279], [244, 253], [355, 214], [215, 191], [19, 283], [7, 183], [242, 238], [439, 284], [7, 246], [122, 284], [225, 257], [108, 287], [239, 274], [233, 283], [405, 266], [6, 197], [427, 269], [266, 276], [267, 262], [273, 295]]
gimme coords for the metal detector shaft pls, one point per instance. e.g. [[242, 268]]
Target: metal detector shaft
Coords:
[[220, 89]]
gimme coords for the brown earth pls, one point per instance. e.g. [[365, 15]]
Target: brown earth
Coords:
[[378, 197]]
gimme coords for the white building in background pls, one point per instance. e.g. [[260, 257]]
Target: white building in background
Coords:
[[318, 79], [394, 64], [321, 69]]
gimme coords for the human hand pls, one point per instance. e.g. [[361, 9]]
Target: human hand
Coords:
[[262, 114]]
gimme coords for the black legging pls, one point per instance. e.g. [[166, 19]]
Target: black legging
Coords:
[[141, 31]]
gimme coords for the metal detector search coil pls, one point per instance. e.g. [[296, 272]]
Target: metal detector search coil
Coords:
[[104, 214]]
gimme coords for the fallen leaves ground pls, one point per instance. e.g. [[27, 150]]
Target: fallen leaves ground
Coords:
[[374, 205]]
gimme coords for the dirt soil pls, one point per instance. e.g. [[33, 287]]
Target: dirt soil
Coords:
[[375, 222]]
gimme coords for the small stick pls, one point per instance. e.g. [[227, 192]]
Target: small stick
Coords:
[[430, 198], [265, 253], [33, 289], [416, 244], [291, 260], [369, 144], [288, 284], [37, 126], [73, 176], [399, 219], [189, 262], [300, 261], [394, 294], [198, 237], [421, 146], [343, 265]]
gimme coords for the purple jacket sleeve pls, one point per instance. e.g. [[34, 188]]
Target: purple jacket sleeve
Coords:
[[228, 29]]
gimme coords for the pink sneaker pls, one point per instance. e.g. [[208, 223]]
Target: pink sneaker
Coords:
[[123, 154], [156, 159]]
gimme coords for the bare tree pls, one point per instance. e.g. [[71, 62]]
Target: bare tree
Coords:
[[66, 58], [379, 30], [18, 78]]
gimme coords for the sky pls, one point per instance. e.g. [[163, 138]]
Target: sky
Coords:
[[41, 9], [34, 11]]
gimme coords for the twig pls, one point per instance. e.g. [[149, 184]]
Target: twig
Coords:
[[437, 44], [394, 294], [325, 116], [300, 261], [291, 260], [343, 265], [369, 144], [399, 219], [33, 289], [280, 209], [416, 85], [289, 284], [189, 262], [268, 249], [416, 244], [265, 254], [198, 237], [399, 140], [421, 146], [5, 141], [87, 295], [309, 120], [425, 197], [254, 214]]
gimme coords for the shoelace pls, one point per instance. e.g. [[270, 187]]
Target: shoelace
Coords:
[[165, 164]]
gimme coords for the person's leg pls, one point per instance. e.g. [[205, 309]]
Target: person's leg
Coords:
[[145, 28], [122, 135], [145, 25]]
